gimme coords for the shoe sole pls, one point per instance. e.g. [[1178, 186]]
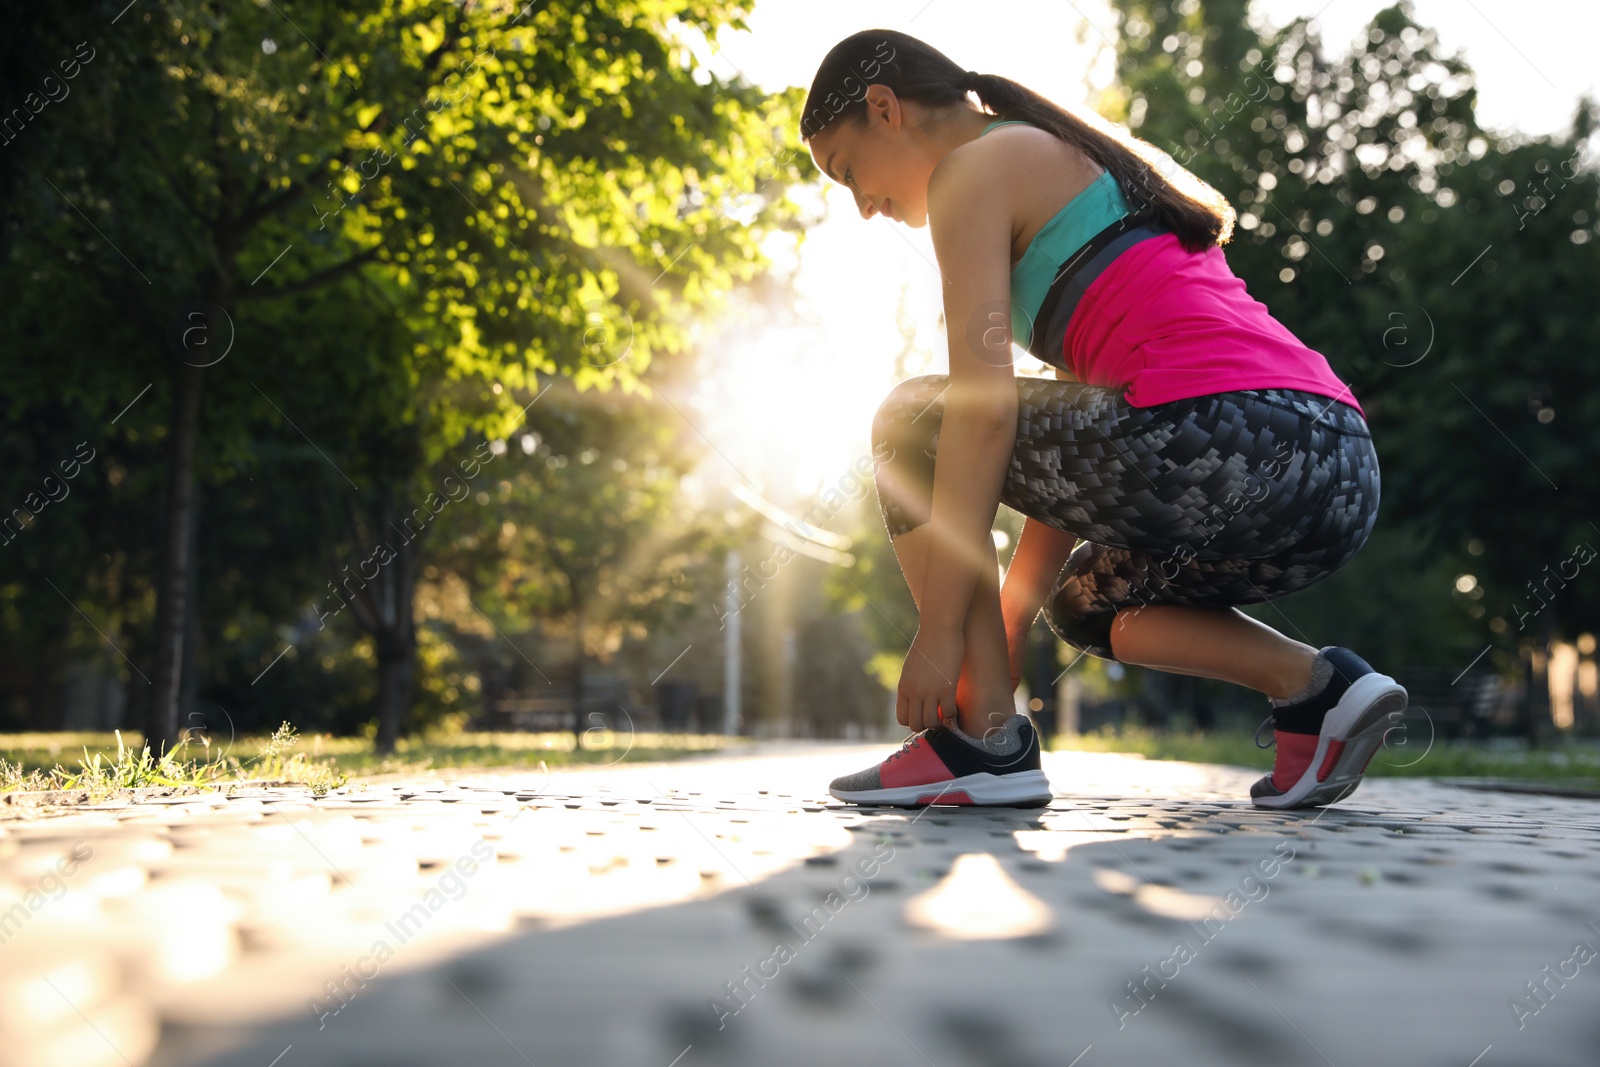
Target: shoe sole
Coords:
[[1357, 725], [1024, 789]]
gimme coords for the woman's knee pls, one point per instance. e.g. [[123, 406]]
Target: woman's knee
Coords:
[[1089, 634], [907, 404], [903, 439], [1078, 610], [1089, 620]]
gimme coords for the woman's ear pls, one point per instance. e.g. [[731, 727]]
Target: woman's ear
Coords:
[[883, 106]]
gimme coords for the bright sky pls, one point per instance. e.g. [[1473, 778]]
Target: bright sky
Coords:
[[795, 406]]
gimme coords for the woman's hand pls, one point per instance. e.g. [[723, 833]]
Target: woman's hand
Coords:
[[928, 679]]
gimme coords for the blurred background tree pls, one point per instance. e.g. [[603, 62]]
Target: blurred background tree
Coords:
[[582, 532], [342, 246]]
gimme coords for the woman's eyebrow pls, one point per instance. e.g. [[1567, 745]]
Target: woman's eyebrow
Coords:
[[827, 165]]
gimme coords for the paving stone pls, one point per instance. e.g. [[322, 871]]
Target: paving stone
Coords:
[[632, 914]]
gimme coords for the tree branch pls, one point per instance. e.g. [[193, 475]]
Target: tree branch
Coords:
[[296, 187], [321, 277], [257, 208], [176, 187]]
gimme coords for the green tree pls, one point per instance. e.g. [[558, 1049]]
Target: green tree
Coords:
[[503, 179], [582, 526]]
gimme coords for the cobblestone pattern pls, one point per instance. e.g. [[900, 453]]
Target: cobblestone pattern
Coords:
[[725, 912]]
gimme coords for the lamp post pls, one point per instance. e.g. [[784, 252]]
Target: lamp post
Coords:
[[731, 643]]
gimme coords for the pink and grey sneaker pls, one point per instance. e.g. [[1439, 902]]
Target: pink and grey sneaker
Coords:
[[1325, 740], [942, 765]]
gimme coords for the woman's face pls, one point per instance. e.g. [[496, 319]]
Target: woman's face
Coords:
[[883, 165]]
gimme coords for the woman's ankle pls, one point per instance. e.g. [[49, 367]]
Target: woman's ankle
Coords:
[[977, 723], [1307, 671]]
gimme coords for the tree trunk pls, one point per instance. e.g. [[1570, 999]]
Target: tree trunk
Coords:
[[396, 636], [172, 588], [1543, 713], [189, 717], [1525, 706], [380, 589], [1205, 713], [1158, 692], [577, 675], [397, 657], [1534, 714]]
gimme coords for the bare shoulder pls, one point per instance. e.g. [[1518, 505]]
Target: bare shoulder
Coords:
[[1023, 171], [1018, 153], [973, 166]]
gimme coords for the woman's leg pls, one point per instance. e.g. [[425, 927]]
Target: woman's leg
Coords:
[[1221, 643], [983, 693], [1191, 508], [1052, 415], [905, 440], [1295, 510]]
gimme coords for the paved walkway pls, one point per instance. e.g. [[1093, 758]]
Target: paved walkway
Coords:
[[725, 911]]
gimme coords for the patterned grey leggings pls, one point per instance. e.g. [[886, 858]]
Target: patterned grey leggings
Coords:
[[1226, 499]]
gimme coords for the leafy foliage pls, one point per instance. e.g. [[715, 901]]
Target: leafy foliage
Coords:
[[410, 215], [1446, 272]]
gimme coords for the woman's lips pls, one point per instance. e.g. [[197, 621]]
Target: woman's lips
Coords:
[[886, 210]]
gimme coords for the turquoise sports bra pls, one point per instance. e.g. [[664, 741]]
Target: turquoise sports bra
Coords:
[[1088, 213]]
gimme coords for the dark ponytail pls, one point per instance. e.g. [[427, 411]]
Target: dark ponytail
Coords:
[[1194, 211]]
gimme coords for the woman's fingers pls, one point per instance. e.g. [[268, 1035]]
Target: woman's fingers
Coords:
[[913, 713], [924, 715], [920, 711]]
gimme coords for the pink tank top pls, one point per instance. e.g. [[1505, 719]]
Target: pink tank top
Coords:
[[1165, 324]]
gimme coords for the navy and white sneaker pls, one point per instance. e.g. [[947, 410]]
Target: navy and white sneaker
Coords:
[[943, 765], [1325, 741]]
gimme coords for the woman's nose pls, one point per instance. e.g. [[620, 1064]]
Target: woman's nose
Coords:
[[864, 205]]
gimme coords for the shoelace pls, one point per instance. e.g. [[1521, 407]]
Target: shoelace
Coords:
[[1270, 720], [907, 745]]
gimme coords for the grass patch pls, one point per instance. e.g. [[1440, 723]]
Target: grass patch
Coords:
[[30, 762], [107, 763], [486, 751], [1570, 761]]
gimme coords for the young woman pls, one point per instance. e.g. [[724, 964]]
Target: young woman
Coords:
[[1190, 454]]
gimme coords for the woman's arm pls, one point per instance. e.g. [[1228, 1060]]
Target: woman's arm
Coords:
[[971, 222], [1040, 554]]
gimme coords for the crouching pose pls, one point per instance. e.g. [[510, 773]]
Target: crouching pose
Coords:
[[1190, 454]]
